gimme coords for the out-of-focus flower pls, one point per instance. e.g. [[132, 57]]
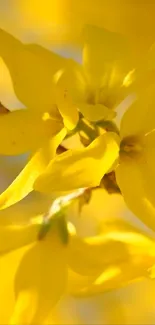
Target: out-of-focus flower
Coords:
[[41, 266], [127, 254]]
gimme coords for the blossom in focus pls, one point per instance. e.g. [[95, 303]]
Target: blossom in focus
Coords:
[[134, 161]]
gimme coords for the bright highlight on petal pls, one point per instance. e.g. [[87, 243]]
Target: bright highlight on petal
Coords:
[[23, 312], [81, 168]]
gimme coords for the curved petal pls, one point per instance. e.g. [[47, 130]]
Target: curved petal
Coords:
[[23, 184], [140, 117], [40, 280], [135, 178], [31, 70], [129, 261], [71, 85], [80, 168], [89, 256], [118, 245], [113, 277], [104, 53], [22, 131]]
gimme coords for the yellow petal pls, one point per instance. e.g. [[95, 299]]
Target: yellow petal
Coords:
[[104, 52], [112, 278], [31, 72], [51, 61], [70, 88], [80, 168], [23, 131], [135, 178], [23, 314], [119, 245], [96, 112], [42, 274], [67, 109], [20, 224], [76, 281], [23, 184], [13, 237], [140, 117], [9, 262], [128, 260]]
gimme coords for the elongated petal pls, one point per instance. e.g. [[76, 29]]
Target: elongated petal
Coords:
[[81, 168], [136, 181], [23, 184], [9, 262], [22, 131], [140, 117], [67, 108], [31, 69], [128, 260], [71, 85], [106, 56], [40, 280], [89, 256], [112, 278]]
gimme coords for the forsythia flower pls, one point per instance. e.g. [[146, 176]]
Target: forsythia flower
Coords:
[[134, 156], [39, 128], [100, 83], [43, 269], [34, 72]]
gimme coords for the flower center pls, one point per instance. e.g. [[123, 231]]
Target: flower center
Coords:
[[131, 146], [101, 96]]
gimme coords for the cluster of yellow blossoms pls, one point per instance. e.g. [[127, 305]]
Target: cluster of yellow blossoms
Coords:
[[63, 98]]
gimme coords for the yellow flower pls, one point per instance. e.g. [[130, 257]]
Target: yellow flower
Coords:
[[39, 128], [35, 270], [135, 161], [135, 172], [126, 254], [100, 83], [36, 273]]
